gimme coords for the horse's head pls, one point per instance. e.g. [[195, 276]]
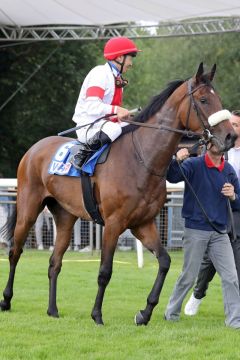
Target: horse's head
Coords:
[[201, 110]]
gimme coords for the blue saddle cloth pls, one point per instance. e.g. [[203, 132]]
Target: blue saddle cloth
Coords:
[[60, 164]]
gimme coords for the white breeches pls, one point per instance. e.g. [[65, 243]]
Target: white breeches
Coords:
[[111, 129]]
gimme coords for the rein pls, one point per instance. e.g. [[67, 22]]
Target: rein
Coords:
[[189, 133], [105, 117]]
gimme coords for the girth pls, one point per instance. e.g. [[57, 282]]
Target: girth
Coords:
[[89, 200], [88, 192]]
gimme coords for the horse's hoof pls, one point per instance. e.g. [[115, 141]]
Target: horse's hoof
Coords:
[[53, 314], [100, 323], [5, 306], [97, 319], [139, 319]]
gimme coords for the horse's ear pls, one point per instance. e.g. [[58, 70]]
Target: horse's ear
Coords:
[[199, 73], [212, 72]]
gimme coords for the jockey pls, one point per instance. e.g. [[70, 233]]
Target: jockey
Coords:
[[100, 95]]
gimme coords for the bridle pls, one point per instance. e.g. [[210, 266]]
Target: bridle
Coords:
[[192, 103], [204, 137], [205, 134], [200, 113]]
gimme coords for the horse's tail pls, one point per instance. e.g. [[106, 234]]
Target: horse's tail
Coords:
[[7, 230]]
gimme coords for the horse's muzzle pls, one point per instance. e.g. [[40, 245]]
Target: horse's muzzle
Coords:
[[226, 144], [230, 141]]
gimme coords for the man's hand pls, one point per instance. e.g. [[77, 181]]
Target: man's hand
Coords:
[[182, 154], [228, 190], [122, 113]]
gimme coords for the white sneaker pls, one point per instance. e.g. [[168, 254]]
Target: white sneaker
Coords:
[[192, 306], [40, 247], [86, 249]]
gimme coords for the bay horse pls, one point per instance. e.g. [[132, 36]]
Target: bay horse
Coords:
[[130, 188]]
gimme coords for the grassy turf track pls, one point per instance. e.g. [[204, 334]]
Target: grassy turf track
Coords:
[[26, 332]]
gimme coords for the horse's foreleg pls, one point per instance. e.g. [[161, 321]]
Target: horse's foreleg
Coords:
[[149, 236], [143, 316], [64, 225], [105, 272]]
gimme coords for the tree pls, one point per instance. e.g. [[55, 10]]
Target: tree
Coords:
[[46, 104]]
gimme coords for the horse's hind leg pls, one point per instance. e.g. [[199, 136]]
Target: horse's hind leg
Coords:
[[27, 213], [64, 224], [149, 236]]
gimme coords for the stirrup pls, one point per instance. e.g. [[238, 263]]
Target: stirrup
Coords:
[[72, 161]]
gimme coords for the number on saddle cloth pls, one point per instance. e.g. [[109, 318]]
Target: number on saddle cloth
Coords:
[[60, 164]]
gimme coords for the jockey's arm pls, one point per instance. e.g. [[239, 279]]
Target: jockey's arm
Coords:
[[96, 107]]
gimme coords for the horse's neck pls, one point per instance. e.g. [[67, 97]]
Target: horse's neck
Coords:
[[158, 146]]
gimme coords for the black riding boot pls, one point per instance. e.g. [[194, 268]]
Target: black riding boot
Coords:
[[95, 143]]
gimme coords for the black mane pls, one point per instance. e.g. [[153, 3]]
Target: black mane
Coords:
[[158, 101]]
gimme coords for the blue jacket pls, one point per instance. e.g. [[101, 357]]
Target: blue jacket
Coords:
[[207, 184]]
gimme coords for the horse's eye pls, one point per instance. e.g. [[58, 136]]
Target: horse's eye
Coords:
[[203, 100]]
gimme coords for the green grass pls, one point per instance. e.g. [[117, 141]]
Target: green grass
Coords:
[[26, 332]]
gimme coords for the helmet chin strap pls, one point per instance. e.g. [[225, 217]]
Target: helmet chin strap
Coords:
[[123, 81], [121, 63]]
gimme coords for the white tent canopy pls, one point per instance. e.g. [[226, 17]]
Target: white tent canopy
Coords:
[[97, 12], [31, 19]]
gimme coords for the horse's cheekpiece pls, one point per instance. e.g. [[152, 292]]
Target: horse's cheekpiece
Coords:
[[61, 161]]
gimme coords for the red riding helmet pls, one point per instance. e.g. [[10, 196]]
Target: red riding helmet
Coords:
[[119, 46]]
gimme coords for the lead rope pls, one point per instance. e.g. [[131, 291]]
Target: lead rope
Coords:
[[233, 236]]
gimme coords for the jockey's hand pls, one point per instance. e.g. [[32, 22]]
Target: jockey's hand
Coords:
[[122, 113], [228, 190], [182, 154]]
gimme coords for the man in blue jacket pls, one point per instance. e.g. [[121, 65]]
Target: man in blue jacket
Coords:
[[214, 181], [207, 270]]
